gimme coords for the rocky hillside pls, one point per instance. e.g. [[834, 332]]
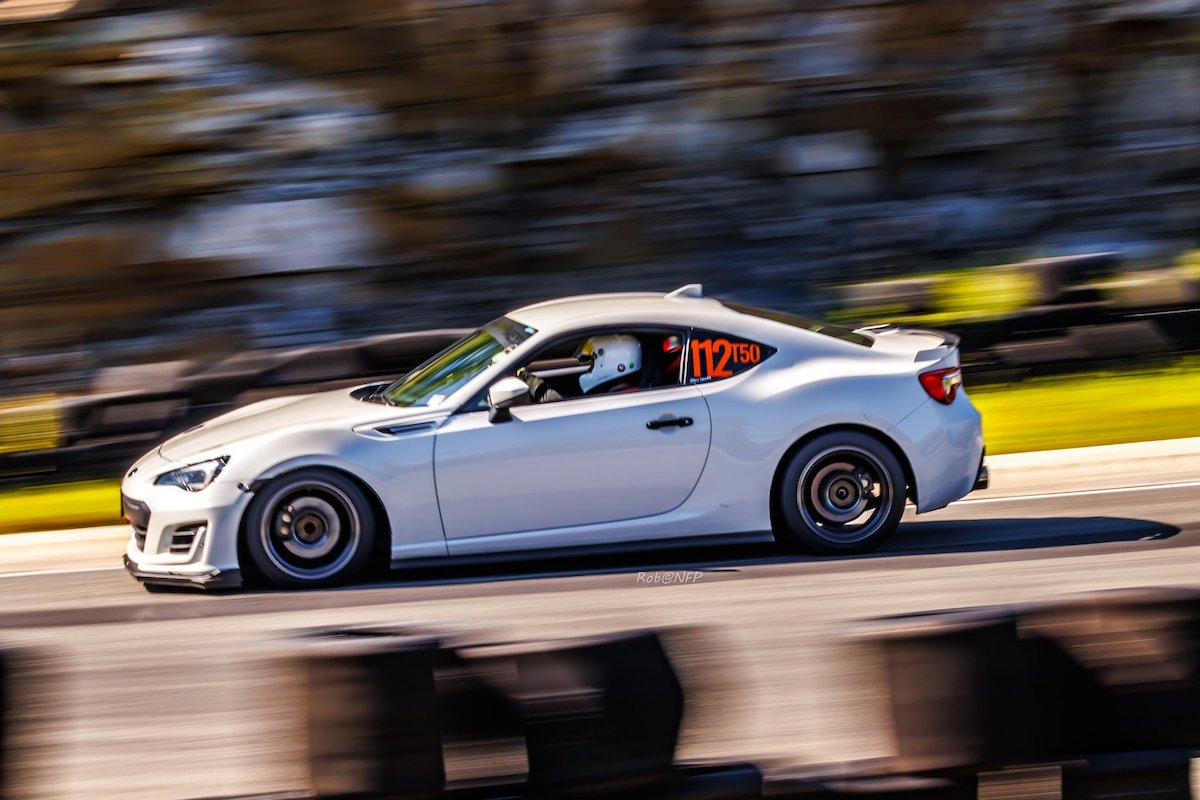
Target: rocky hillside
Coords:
[[189, 178]]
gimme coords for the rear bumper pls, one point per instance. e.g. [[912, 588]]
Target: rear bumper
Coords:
[[981, 476], [213, 579], [944, 446], [981, 480]]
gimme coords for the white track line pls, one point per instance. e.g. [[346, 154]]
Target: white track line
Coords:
[[1081, 493], [67, 571]]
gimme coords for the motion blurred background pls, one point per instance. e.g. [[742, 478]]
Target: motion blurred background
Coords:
[[204, 202], [208, 202]]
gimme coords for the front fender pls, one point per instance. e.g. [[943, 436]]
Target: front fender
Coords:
[[397, 471]]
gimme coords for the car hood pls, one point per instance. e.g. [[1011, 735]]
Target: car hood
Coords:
[[333, 408]]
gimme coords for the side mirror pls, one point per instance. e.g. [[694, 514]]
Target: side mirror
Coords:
[[504, 394]]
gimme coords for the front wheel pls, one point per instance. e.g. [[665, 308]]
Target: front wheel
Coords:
[[841, 493], [309, 528]]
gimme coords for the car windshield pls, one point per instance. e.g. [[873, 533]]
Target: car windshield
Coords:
[[439, 377]]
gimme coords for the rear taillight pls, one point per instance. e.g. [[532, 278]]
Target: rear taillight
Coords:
[[942, 384]]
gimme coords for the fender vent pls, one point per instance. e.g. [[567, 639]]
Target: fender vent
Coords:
[[401, 430]]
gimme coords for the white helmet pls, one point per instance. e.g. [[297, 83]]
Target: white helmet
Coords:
[[612, 356]]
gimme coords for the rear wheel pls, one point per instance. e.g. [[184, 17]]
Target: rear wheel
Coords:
[[842, 492], [309, 528]]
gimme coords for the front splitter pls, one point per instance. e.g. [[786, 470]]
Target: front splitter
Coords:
[[216, 579]]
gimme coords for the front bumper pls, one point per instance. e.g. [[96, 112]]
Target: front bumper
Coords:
[[181, 538], [213, 579]]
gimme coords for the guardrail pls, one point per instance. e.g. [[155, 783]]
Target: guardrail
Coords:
[[1087, 698]]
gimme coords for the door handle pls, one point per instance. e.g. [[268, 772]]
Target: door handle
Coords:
[[676, 422]]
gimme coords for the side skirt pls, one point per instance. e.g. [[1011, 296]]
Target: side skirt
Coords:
[[655, 545]]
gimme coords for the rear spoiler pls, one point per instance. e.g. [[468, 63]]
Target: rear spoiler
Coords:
[[950, 341]]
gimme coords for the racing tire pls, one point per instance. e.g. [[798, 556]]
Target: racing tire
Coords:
[[309, 529], [840, 494]]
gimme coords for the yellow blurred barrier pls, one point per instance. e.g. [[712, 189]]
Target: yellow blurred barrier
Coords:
[[31, 422]]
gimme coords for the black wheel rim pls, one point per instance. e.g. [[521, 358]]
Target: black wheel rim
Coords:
[[311, 530], [844, 494]]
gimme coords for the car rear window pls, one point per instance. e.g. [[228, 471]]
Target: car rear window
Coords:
[[797, 321], [714, 356]]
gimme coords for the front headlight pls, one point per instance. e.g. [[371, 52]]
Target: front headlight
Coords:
[[195, 477]]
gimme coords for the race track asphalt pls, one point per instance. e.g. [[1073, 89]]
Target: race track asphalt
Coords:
[[182, 695]]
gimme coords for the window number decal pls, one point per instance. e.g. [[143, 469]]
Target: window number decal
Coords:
[[713, 359]]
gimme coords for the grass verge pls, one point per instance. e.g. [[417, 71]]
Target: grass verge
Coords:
[[1040, 414], [1091, 409]]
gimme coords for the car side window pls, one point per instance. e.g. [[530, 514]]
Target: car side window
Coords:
[[715, 356], [593, 363]]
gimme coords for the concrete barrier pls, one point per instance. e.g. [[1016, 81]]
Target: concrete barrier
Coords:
[[28, 704], [371, 712], [1087, 698], [387, 708], [1136, 654], [598, 715], [955, 689]]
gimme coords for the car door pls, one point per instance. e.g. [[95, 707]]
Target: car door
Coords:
[[582, 461]]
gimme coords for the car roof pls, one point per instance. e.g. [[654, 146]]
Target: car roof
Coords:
[[686, 305]]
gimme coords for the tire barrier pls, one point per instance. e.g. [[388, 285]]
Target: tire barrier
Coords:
[[1059, 317], [1103, 340], [1181, 327], [161, 377], [911, 296], [1162, 288], [130, 409], [1038, 353], [1056, 275], [1119, 340]]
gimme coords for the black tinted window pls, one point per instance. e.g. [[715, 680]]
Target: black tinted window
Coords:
[[797, 321], [713, 356]]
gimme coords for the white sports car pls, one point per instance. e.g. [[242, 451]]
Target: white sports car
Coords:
[[605, 421]]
